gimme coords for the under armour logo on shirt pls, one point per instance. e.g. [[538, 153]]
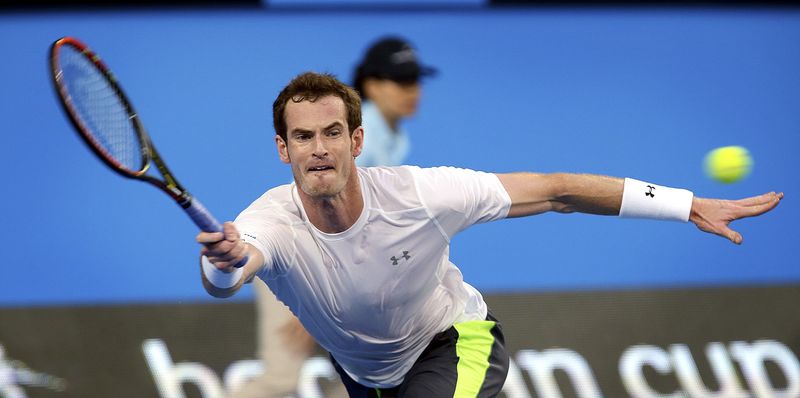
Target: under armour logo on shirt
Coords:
[[650, 191], [405, 256]]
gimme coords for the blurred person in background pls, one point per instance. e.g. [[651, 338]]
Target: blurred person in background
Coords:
[[389, 82], [388, 79]]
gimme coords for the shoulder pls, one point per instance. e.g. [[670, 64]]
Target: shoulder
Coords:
[[276, 206], [453, 187], [390, 187], [387, 174], [405, 175], [441, 174], [412, 183], [396, 177]]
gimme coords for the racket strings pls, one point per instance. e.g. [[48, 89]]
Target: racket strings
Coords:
[[99, 107]]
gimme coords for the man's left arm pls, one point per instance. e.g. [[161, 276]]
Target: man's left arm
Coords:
[[533, 193]]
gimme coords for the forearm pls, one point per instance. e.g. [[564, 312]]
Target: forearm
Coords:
[[587, 193], [533, 193]]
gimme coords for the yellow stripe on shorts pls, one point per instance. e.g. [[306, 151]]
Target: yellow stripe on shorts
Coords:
[[473, 348]]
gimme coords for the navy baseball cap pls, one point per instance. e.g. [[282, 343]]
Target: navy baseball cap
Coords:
[[393, 58]]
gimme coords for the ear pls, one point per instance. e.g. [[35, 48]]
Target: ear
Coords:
[[283, 149], [357, 141]]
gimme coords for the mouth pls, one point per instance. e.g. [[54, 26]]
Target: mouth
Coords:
[[319, 169]]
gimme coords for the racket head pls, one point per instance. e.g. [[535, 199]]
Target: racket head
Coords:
[[98, 108]]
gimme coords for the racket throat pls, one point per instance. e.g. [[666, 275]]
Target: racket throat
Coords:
[[183, 198]]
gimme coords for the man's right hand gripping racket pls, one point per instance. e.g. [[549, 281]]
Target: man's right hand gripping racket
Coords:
[[105, 119]]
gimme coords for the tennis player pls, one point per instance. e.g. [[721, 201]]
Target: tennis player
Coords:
[[389, 81], [361, 255]]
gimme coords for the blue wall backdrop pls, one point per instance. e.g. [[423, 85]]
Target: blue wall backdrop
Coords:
[[643, 93]]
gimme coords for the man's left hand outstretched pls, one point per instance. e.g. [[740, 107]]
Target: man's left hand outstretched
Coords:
[[714, 215]]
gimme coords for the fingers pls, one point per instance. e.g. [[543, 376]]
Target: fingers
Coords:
[[223, 249], [226, 253], [715, 215], [230, 231], [209, 237], [754, 200], [733, 236], [758, 205], [760, 200], [764, 198], [721, 229], [750, 207]]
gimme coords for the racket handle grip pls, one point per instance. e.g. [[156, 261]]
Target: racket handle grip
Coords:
[[202, 217], [206, 221]]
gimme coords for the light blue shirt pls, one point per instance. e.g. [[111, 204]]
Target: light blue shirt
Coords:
[[382, 145]]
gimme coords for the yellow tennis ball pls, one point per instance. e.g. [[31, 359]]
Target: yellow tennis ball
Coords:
[[728, 164]]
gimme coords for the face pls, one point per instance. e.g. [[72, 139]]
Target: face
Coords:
[[396, 100], [319, 146]]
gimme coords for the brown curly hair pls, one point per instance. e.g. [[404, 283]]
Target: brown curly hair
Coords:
[[310, 86]]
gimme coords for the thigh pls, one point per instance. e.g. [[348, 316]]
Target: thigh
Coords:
[[435, 373], [468, 360], [354, 390], [498, 363]]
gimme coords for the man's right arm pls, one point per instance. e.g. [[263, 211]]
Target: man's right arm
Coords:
[[220, 254]]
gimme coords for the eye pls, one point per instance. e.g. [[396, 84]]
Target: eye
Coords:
[[302, 137], [334, 133]]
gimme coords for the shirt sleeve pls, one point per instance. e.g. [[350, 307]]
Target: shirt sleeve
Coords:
[[257, 226], [458, 198]]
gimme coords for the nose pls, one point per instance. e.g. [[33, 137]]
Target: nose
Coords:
[[413, 92], [319, 146]]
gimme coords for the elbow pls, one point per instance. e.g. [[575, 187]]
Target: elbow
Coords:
[[561, 207], [560, 191]]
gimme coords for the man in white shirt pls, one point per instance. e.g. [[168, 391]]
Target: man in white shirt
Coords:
[[388, 78], [361, 255]]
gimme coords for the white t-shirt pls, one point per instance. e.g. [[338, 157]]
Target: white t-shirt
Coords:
[[376, 294]]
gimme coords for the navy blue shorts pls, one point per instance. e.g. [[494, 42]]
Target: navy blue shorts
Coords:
[[468, 360]]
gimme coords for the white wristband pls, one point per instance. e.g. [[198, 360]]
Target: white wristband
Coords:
[[220, 279], [644, 200]]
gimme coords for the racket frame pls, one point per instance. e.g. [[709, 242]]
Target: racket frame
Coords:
[[196, 211], [170, 185]]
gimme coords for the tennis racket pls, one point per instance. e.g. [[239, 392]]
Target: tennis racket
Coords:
[[105, 119]]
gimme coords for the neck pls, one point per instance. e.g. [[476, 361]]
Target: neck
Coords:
[[391, 120], [334, 214]]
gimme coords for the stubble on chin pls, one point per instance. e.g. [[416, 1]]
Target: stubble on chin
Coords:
[[319, 190]]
